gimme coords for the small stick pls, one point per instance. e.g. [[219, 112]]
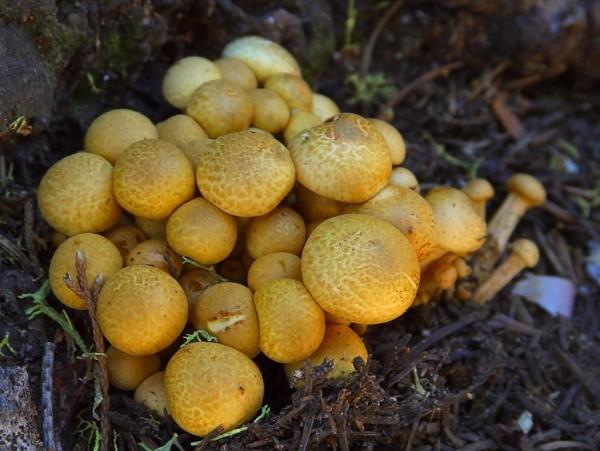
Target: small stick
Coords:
[[47, 391], [90, 297]]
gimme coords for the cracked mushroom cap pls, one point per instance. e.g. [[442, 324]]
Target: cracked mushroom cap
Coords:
[[76, 195], [264, 57], [458, 227], [246, 173], [527, 187], [360, 268], [527, 250], [407, 211], [344, 159]]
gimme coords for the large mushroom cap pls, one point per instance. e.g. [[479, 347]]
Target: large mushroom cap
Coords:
[[345, 158], [246, 173], [264, 57], [528, 187], [360, 268], [407, 211], [458, 226]]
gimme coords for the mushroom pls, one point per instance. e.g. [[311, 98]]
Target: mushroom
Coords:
[[404, 177], [458, 227], [264, 57], [344, 159], [185, 76], [158, 254], [125, 237], [246, 173], [238, 72], [180, 130], [314, 207], [112, 132], [523, 254], [281, 230], [480, 191], [323, 107], [127, 372], [152, 394], [271, 112], [221, 107], [525, 192], [293, 89], [299, 121], [439, 275], [360, 268], [277, 265], [393, 138]]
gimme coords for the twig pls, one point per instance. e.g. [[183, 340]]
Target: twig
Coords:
[[367, 55], [399, 96], [90, 297], [12, 251], [28, 226], [47, 391], [208, 438]]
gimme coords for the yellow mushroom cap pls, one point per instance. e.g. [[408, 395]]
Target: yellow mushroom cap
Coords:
[[210, 385], [341, 345], [153, 228], [185, 76], [238, 72], [201, 231], [360, 268], [126, 371], [527, 250], [246, 173], [271, 113], [264, 57], [404, 177], [153, 177], [102, 259], [142, 310], [293, 89], [458, 226], [323, 107], [151, 393], [407, 211], [226, 310], [180, 130], [76, 196], [195, 149], [221, 107], [527, 187], [345, 158], [278, 265], [112, 132], [292, 324], [299, 121], [478, 190], [156, 253], [125, 237], [281, 230], [393, 139]]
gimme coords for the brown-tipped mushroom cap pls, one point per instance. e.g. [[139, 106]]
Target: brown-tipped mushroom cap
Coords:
[[185, 76], [112, 132], [527, 187], [293, 89], [180, 130], [360, 268], [264, 57], [246, 173], [323, 107], [221, 107], [527, 250], [458, 226], [125, 237], [404, 177], [76, 195], [156, 253], [151, 178], [345, 158], [393, 139], [407, 211], [238, 72]]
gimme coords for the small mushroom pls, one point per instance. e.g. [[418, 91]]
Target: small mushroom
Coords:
[[323, 107], [405, 178], [523, 254], [271, 112], [299, 121], [293, 89], [238, 72], [480, 191], [185, 76], [525, 192], [180, 130], [393, 138]]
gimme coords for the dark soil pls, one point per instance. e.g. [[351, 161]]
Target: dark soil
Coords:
[[444, 376]]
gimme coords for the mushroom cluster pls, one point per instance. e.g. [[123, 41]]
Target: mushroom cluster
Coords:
[[262, 216]]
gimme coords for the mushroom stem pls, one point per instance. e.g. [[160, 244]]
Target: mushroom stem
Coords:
[[525, 192], [440, 275], [524, 254]]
